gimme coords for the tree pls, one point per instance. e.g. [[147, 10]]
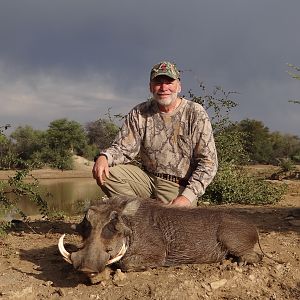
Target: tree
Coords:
[[65, 134], [28, 142], [285, 146], [63, 138], [101, 132], [8, 157], [295, 76], [257, 143], [15, 188], [230, 143]]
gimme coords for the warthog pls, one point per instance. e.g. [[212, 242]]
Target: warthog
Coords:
[[141, 234]]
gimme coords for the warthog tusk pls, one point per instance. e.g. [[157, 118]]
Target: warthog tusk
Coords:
[[66, 255], [119, 255]]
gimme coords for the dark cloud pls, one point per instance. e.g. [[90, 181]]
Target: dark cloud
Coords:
[[107, 48]]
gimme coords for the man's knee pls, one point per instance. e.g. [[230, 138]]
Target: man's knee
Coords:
[[115, 174], [114, 183], [126, 180]]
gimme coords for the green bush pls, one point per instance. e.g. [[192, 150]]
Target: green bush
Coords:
[[286, 165], [12, 191], [235, 185], [90, 151], [57, 158]]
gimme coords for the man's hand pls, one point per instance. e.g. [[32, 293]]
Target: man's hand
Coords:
[[180, 201], [101, 169]]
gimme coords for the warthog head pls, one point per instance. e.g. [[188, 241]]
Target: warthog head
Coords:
[[105, 239]]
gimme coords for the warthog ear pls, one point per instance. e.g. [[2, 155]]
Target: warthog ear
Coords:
[[114, 226], [90, 213]]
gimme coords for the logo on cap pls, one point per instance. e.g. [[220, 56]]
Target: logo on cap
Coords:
[[165, 68]]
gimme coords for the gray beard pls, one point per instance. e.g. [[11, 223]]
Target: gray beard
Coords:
[[167, 101]]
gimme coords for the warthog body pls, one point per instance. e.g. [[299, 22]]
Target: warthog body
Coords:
[[153, 235]]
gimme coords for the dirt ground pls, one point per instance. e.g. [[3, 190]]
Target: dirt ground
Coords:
[[32, 268]]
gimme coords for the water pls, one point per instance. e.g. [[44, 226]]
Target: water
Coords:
[[68, 196]]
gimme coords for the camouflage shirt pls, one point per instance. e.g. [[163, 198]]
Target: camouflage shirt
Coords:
[[179, 143]]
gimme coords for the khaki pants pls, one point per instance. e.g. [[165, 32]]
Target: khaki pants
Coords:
[[130, 180]]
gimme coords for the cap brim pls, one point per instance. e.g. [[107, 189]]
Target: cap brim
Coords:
[[163, 74]]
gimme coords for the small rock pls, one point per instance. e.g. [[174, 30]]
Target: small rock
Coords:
[[226, 262], [146, 273], [183, 267], [240, 270], [217, 284], [119, 278], [103, 276], [206, 287], [60, 292], [48, 283], [252, 277], [278, 267], [103, 283]]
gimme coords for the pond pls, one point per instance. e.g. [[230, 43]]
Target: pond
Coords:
[[67, 196]]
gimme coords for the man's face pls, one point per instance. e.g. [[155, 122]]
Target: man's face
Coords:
[[165, 89]]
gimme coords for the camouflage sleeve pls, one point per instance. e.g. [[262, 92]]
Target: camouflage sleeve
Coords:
[[207, 163], [127, 142]]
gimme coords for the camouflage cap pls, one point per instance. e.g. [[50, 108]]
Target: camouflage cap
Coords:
[[165, 68]]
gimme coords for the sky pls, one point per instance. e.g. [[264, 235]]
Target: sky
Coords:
[[83, 59]]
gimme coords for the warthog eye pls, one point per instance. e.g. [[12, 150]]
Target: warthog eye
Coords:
[[108, 231]]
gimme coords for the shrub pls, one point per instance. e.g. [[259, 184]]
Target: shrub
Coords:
[[232, 184], [12, 192], [235, 185], [286, 165]]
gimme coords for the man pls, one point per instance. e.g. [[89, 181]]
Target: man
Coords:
[[174, 139]]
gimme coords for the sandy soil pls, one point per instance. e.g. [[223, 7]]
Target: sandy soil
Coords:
[[32, 268], [82, 169]]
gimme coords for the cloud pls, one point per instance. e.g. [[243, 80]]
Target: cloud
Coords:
[[42, 97], [75, 59]]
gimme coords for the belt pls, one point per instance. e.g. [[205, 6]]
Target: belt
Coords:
[[173, 178]]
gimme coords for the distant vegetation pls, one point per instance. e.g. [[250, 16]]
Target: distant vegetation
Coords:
[[55, 146], [251, 142]]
